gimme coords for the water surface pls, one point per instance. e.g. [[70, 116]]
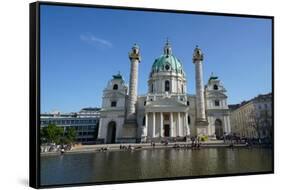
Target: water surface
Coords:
[[151, 164]]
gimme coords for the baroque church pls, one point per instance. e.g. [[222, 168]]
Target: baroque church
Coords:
[[167, 111]]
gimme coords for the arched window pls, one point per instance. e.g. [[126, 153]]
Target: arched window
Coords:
[[144, 103], [215, 87], [188, 120], [151, 90], [167, 86], [187, 103], [182, 88], [143, 121], [115, 87], [167, 67]]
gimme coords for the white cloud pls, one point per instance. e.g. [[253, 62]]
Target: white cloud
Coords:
[[91, 39]]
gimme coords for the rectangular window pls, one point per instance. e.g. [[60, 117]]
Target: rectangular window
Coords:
[[167, 86], [113, 104], [217, 103]]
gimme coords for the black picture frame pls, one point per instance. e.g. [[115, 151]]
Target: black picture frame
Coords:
[[34, 90]]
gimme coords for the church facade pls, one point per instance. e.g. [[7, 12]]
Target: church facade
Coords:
[[167, 111]]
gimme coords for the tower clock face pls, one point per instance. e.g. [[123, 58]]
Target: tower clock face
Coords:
[[167, 67]]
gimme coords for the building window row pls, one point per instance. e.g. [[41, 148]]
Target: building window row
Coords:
[[68, 122], [166, 87], [85, 133], [85, 139]]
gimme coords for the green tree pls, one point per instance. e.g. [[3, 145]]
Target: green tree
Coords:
[[70, 135], [261, 122], [52, 134]]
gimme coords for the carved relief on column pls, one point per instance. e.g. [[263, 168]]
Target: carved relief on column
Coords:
[[135, 59], [200, 101]]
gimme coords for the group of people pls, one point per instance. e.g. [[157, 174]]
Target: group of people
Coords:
[[103, 149], [185, 146], [195, 142], [128, 148]]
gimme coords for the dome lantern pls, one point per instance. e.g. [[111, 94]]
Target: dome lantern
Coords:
[[167, 48], [167, 62]]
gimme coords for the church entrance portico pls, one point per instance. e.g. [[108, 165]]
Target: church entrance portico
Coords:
[[166, 124]]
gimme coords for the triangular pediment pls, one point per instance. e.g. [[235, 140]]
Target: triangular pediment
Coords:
[[113, 94], [166, 102], [216, 95]]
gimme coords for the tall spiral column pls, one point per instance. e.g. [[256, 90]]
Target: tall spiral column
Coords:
[[135, 59], [201, 121]]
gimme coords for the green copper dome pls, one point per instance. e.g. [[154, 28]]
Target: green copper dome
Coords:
[[167, 62]]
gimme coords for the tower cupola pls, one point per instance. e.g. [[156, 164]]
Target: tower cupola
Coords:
[[135, 53], [197, 55]]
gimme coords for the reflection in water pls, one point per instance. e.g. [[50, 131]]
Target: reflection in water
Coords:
[[147, 164]]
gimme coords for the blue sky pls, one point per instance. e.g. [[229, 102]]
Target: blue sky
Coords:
[[81, 48]]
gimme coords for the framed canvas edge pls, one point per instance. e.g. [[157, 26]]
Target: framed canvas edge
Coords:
[[34, 96], [34, 92]]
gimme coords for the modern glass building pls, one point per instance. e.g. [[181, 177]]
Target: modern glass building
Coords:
[[85, 122]]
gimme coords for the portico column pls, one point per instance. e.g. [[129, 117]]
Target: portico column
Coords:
[[146, 122], [161, 124], [178, 126], [153, 125], [171, 125], [228, 123], [187, 125], [100, 130]]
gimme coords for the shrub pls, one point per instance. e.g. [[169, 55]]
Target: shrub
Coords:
[[204, 138]]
